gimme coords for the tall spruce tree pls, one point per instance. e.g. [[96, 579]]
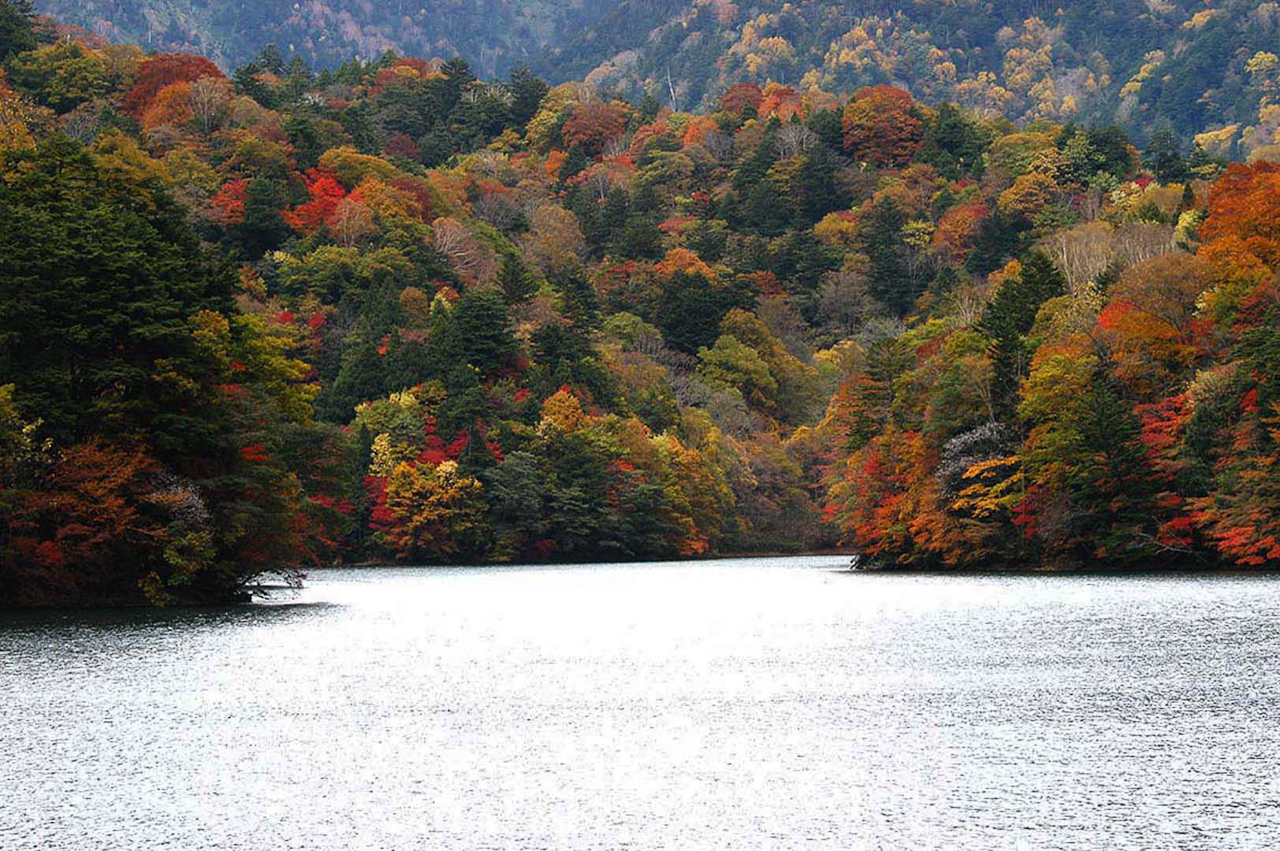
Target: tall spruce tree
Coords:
[[17, 27], [1010, 316]]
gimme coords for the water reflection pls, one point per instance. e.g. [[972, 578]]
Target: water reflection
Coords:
[[741, 704], [49, 626]]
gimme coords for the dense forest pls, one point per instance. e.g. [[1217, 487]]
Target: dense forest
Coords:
[[1205, 66], [390, 311]]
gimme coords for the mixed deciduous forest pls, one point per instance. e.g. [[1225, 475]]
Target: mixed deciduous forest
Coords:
[[387, 310]]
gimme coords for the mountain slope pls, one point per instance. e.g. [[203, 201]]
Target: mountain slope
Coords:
[[492, 34], [1140, 61], [1203, 67]]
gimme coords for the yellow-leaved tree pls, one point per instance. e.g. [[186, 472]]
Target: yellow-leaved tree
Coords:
[[436, 513]]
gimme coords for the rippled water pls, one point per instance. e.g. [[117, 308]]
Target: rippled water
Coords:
[[737, 705]]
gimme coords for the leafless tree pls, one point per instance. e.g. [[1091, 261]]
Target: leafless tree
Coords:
[[846, 302], [83, 122], [795, 139], [497, 210], [617, 146], [1137, 242], [1081, 252], [719, 145], [351, 222], [209, 99]]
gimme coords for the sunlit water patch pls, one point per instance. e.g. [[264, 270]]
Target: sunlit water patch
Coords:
[[762, 703]]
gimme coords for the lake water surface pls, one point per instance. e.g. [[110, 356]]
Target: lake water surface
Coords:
[[756, 703]]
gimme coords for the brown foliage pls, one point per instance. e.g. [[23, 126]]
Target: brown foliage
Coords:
[[740, 95], [592, 125], [164, 70], [882, 126], [95, 516]]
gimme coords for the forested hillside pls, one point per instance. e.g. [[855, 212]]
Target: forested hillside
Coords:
[[390, 311], [1201, 66], [1205, 67], [493, 35]]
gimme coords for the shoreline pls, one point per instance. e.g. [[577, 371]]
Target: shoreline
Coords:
[[1180, 569]]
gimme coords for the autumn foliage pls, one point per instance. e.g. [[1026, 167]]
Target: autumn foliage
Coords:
[[1243, 226], [741, 95], [389, 311], [156, 73], [592, 125], [882, 126], [326, 193]]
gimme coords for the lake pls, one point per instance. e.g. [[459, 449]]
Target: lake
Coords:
[[741, 704]]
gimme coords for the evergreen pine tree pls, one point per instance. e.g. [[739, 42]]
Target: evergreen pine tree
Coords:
[[527, 92], [515, 281], [271, 59], [1163, 156], [881, 239], [1010, 315], [17, 27], [483, 325], [360, 378]]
